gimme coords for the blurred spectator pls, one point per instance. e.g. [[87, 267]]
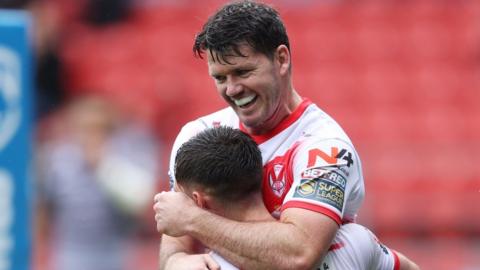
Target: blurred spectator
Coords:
[[104, 12], [97, 176], [14, 3], [49, 77], [51, 21]]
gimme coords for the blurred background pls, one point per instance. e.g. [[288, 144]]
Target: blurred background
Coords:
[[116, 79]]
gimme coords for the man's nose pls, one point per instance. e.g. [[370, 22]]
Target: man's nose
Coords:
[[233, 88]]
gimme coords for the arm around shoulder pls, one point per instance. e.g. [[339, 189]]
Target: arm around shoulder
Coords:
[[298, 241], [318, 232]]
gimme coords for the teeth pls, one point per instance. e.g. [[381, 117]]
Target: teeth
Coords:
[[244, 101]]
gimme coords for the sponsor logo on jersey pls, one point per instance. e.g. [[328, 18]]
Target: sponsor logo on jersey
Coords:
[[307, 188], [331, 174], [276, 179], [312, 173], [321, 190], [336, 178], [332, 158]]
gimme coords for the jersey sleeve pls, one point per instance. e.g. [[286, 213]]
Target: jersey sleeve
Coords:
[[383, 257], [356, 247], [188, 131], [326, 178]]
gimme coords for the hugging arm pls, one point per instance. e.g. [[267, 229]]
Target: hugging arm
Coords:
[[294, 242]]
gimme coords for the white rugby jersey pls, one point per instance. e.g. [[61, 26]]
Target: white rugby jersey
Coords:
[[309, 162], [354, 248]]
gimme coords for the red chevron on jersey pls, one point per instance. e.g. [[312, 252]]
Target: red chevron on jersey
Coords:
[[277, 180]]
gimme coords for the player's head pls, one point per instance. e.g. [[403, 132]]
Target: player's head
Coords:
[[222, 162], [248, 56], [243, 22]]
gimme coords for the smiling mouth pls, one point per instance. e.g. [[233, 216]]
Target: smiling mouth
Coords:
[[245, 101]]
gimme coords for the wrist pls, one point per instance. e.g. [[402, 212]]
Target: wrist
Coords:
[[195, 217]]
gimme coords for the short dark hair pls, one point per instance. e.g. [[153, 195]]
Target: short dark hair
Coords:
[[255, 24], [225, 162]]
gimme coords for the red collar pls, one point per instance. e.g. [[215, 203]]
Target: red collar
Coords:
[[285, 123]]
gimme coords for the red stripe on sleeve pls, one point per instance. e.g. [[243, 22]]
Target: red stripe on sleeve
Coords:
[[396, 265], [315, 208], [336, 246]]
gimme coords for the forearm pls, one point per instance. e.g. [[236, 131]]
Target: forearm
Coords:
[[261, 245], [251, 248], [170, 246]]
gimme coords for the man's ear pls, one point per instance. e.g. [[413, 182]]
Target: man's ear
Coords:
[[282, 56], [199, 199], [196, 195]]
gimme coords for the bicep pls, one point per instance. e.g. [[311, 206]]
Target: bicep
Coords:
[[318, 230]]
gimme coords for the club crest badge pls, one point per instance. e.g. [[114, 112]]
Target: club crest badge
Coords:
[[276, 178]]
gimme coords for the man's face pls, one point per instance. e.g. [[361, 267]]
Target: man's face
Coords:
[[252, 86]]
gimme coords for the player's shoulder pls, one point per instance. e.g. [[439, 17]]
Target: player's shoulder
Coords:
[[318, 125], [356, 231], [321, 131], [224, 117], [330, 149], [323, 142], [330, 159], [359, 238]]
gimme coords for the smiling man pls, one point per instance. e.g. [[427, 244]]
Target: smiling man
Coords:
[[312, 179]]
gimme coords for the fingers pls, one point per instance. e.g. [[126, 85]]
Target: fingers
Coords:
[[156, 207], [157, 196], [160, 228], [211, 263]]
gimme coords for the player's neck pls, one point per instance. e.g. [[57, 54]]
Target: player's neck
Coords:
[[251, 209], [283, 110]]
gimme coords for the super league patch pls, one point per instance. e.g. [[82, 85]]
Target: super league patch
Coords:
[[329, 188]]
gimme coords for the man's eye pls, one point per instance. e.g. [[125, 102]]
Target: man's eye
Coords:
[[219, 79], [242, 72]]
